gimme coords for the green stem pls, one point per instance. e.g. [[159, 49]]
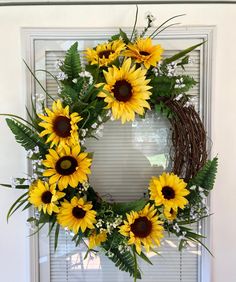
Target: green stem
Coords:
[[135, 23], [135, 264], [40, 84], [152, 35], [20, 118]]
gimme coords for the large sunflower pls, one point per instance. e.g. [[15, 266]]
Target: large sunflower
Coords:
[[126, 91], [143, 228], [67, 166], [168, 190], [95, 239], [105, 53], [60, 126], [143, 52], [45, 197], [76, 215]]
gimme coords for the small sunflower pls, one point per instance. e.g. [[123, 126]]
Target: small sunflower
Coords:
[[126, 91], [67, 166], [105, 53], [60, 125], [143, 228], [95, 239], [45, 197], [168, 190], [76, 215], [170, 214], [143, 52]]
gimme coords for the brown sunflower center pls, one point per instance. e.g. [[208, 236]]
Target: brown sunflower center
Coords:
[[144, 53], [78, 212], [168, 192], [122, 90], [105, 53], [62, 126], [66, 165], [141, 227], [46, 197]]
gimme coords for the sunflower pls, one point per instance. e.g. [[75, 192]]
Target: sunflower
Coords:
[[76, 215], [45, 197], [170, 214], [95, 239], [143, 228], [168, 190], [60, 125], [126, 91], [105, 53], [67, 166], [143, 52]]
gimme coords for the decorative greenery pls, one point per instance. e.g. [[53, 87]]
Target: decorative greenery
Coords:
[[123, 78]]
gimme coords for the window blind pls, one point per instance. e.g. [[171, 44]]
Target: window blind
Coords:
[[125, 158]]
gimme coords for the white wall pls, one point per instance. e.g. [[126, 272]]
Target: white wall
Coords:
[[13, 237]]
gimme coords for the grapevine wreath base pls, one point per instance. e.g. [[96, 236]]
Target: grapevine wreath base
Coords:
[[123, 78]]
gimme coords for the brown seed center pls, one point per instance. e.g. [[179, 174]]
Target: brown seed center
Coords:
[[62, 126], [78, 212], [144, 53], [46, 197], [105, 54], [141, 227], [168, 192], [122, 90], [66, 165]]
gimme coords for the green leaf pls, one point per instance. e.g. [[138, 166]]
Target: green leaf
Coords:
[[125, 262], [144, 257], [123, 208], [205, 178], [124, 36], [25, 136], [72, 63], [17, 186], [57, 230], [181, 53], [17, 204]]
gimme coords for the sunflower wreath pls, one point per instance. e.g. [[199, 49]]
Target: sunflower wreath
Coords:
[[122, 78]]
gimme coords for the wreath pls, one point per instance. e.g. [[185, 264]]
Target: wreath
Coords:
[[123, 78]]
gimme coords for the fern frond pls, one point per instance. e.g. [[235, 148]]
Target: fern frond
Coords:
[[72, 64], [124, 262], [25, 136], [205, 178]]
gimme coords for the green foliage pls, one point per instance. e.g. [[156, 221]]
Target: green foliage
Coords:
[[125, 261], [181, 54], [72, 63], [205, 178], [123, 208], [17, 204], [121, 35], [25, 136]]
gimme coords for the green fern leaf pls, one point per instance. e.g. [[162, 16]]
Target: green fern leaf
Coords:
[[125, 262], [205, 178], [72, 63], [25, 136]]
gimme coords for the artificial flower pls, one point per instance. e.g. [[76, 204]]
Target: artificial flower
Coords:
[[126, 91], [143, 228], [67, 166], [76, 214]]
